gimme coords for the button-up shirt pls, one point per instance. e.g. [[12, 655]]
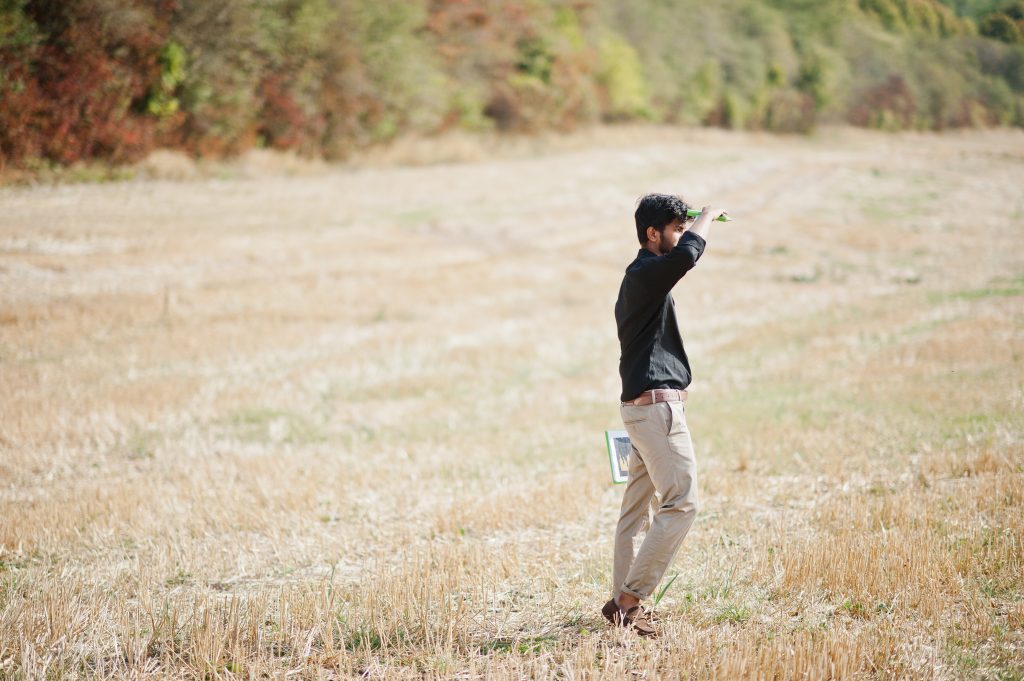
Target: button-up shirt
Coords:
[[652, 348]]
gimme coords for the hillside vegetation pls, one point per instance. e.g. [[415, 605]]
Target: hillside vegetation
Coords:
[[114, 79]]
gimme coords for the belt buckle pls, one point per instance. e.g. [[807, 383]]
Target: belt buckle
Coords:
[[667, 395]]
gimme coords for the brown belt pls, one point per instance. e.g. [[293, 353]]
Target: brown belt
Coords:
[[658, 395]]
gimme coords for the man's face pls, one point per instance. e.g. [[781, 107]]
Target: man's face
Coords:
[[669, 236]]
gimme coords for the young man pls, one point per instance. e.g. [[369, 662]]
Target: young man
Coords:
[[655, 373]]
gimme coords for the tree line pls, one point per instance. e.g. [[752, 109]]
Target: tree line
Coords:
[[115, 79]]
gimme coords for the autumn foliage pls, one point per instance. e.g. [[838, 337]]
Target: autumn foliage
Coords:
[[114, 79]]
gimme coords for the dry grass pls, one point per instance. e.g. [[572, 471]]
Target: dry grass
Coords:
[[349, 424]]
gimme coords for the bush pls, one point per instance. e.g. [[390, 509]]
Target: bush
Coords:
[[21, 100], [620, 74], [77, 74], [887, 106], [790, 111], [1002, 27]]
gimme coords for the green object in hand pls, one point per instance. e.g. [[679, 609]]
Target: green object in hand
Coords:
[[693, 212]]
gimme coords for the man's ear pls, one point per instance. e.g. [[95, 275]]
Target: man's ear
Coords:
[[652, 234]]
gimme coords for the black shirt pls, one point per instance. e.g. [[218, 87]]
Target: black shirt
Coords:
[[652, 349]]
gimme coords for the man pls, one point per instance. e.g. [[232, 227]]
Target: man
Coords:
[[655, 373]]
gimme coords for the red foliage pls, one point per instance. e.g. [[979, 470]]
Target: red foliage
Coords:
[[22, 103], [283, 122], [892, 98], [81, 94]]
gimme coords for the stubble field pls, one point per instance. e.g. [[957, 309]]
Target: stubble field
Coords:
[[350, 423]]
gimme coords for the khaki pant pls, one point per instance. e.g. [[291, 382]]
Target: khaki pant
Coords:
[[661, 461]]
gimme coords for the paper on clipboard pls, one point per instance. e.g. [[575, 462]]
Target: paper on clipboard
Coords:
[[619, 447]]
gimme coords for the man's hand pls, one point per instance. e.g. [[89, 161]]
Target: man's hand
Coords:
[[710, 212], [702, 225]]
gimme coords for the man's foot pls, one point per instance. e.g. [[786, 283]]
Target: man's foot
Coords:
[[610, 608], [636, 618]]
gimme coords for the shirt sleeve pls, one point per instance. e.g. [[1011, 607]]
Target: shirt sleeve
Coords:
[[660, 274]]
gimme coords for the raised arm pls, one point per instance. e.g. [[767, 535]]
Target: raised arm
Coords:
[[660, 274], [702, 225]]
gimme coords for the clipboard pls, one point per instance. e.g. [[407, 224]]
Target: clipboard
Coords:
[[619, 448]]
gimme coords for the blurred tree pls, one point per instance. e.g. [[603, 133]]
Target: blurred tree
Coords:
[[383, 77], [977, 8], [228, 46], [20, 100], [812, 78], [161, 100], [81, 75], [291, 114], [621, 75], [1002, 27]]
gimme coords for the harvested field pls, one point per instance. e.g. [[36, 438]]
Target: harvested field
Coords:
[[350, 423]]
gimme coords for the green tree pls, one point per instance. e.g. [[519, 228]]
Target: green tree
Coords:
[[813, 79], [621, 74], [1001, 27], [162, 101]]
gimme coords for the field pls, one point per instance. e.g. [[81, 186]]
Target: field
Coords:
[[349, 422]]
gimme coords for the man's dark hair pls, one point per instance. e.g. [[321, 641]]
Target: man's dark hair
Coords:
[[657, 210]]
